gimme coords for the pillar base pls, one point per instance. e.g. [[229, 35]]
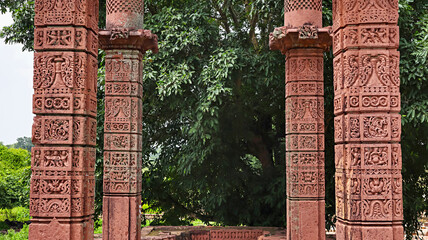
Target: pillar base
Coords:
[[305, 219], [358, 231], [121, 218], [59, 229]]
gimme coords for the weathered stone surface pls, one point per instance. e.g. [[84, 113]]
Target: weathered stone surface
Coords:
[[303, 41], [64, 129], [367, 125], [125, 45]]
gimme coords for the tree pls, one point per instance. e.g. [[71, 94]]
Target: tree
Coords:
[[23, 143], [214, 110]]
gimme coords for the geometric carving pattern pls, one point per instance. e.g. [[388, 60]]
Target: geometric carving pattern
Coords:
[[114, 6], [67, 12], [294, 5], [367, 123], [123, 143], [305, 143], [62, 185]]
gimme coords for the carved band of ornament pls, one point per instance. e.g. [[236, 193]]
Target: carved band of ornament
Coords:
[[366, 36], [123, 70], [65, 104], [122, 159], [63, 158], [309, 142], [352, 12], [357, 69], [45, 186], [124, 89], [119, 33], [308, 31], [123, 109], [305, 88], [299, 127], [370, 209], [305, 108], [305, 159], [305, 189], [121, 187], [369, 157], [122, 174], [66, 38], [67, 12], [64, 130], [61, 207], [128, 142], [62, 71], [351, 103], [59, 173], [367, 127]]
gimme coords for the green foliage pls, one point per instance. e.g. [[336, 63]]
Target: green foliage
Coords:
[[214, 115], [14, 177], [17, 214], [12, 235], [414, 96], [22, 30], [23, 143]]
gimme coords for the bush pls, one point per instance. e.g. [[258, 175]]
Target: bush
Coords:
[[12, 235], [14, 177]]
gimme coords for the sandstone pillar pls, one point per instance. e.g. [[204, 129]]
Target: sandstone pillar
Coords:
[[125, 44], [64, 129], [367, 125], [303, 41]]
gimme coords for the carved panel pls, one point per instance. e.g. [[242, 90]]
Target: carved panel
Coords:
[[67, 12], [66, 38]]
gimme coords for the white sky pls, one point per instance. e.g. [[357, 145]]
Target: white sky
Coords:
[[16, 89]]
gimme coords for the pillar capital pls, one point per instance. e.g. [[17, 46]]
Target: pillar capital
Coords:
[[306, 36], [140, 39]]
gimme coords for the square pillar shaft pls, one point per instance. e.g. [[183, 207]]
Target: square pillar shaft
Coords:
[[64, 129], [367, 124]]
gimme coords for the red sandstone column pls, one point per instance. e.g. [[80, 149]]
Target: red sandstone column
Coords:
[[303, 41], [125, 44], [367, 125], [64, 129]]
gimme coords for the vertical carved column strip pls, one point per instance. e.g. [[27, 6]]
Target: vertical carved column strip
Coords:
[[367, 125], [125, 44], [64, 128], [303, 41]]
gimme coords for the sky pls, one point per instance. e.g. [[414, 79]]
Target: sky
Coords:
[[16, 89]]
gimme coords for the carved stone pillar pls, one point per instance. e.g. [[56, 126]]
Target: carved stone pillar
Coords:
[[367, 125], [303, 41], [64, 128], [125, 45]]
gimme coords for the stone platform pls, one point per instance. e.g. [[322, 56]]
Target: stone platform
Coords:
[[213, 233]]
